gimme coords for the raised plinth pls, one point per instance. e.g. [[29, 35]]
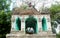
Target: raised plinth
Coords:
[[30, 36], [18, 35]]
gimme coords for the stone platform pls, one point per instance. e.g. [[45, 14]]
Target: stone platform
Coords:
[[30, 36], [23, 35]]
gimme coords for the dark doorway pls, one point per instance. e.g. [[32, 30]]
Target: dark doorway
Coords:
[[18, 24], [44, 24], [31, 22]]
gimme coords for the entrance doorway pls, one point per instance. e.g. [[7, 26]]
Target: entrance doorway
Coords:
[[18, 24], [44, 24], [31, 25]]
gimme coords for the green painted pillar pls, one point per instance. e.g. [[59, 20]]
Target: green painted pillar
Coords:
[[36, 28], [44, 24], [18, 24]]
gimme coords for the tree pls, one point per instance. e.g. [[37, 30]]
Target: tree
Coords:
[[5, 16], [54, 9]]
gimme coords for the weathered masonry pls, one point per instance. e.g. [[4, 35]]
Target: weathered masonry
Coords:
[[22, 21]]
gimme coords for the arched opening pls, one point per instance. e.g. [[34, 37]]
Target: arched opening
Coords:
[[31, 22], [44, 24], [18, 24]]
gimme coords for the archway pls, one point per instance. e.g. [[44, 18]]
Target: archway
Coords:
[[31, 22], [44, 24], [18, 24]]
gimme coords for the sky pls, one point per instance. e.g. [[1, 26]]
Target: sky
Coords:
[[39, 3]]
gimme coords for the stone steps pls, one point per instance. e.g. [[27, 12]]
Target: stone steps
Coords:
[[16, 32], [45, 32], [30, 36], [21, 34]]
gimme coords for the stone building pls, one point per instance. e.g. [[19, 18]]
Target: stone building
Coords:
[[22, 19]]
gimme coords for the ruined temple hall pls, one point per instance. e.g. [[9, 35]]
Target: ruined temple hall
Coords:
[[30, 23]]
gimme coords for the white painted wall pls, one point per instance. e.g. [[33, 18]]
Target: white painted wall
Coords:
[[39, 21]]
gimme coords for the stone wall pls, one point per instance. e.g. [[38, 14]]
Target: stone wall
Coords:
[[40, 34], [39, 21]]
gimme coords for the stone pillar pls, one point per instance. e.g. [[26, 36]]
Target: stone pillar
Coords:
[[22, 25], [12, 23], [40, 23], [49, 25], [12, 26], [39, 26]]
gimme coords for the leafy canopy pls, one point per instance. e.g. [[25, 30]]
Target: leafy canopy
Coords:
[[5, 15], [54, 9]]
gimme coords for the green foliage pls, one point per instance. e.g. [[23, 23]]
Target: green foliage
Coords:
[[2, 16], [4, 4], [58, 35], [55, 17], [2, 35], [4, 22], [54, 9], [5, 15]]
